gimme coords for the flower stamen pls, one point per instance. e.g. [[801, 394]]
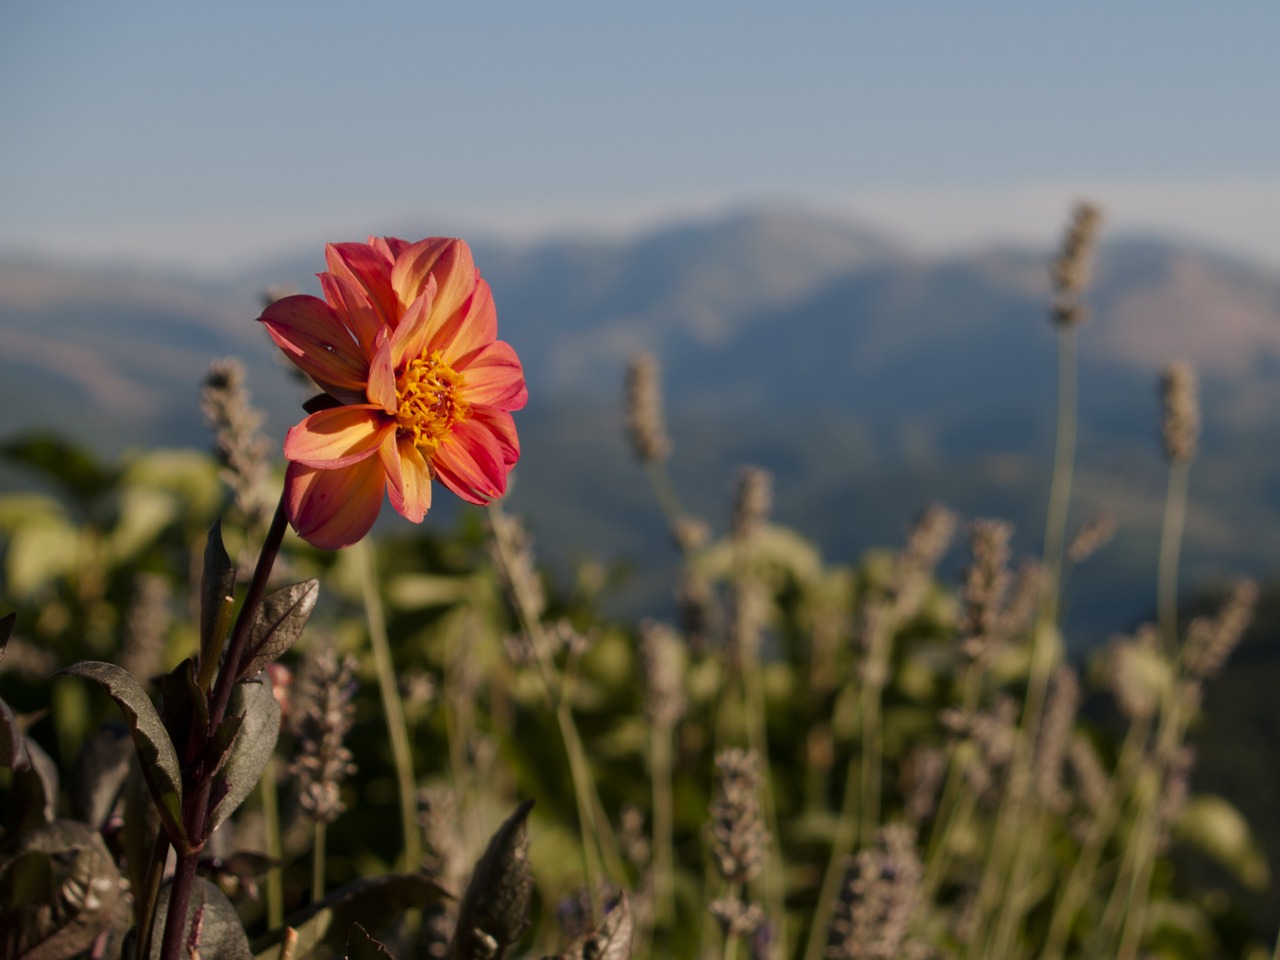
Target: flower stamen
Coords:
[[430, 401]]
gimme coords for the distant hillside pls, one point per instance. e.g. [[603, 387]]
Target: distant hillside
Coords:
[[868, 379]]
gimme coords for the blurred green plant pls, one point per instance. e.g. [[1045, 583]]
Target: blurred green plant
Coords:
[[809, 760]]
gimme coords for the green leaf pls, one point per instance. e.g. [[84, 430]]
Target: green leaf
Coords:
[[40, 552], [251, 749], [217, 584], [495, 910], [141, 824], [142, 516], [213, 928], [32, 798], [372, 902], [1221, 831], [97, 777], [155, 750], [184, 710], [278, 624], [72, 468], [58, 892]]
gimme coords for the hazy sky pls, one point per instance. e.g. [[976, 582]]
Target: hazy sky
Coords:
[[208, 133]]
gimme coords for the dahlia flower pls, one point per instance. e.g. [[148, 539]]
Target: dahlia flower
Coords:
[[416, 386]]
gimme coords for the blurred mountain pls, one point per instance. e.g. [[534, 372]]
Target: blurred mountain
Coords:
[[870, 380]]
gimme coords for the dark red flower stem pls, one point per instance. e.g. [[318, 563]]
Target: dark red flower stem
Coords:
[[198, 780]]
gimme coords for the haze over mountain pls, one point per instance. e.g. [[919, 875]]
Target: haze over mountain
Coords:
[[869, 379]]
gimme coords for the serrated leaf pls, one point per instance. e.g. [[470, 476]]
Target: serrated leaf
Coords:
[[213, 928], [251, 749], [611, 938], [13, 744], [217, 583], [278, 624], [373, 902], [58, 892], [495, 910], [155, 750], [98, 775]]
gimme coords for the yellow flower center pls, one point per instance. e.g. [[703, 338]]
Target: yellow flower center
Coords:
[[430, 393]]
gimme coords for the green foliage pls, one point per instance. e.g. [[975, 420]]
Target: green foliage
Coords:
[[801, 760]]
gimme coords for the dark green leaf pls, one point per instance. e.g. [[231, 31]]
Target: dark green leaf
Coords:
[[495, 910], [32, 798], [70, 467], [372, 902], [13, 744], [217, 584], [7, 623], [213, 928], [155, 750], [251, 749], [141, 824], [278, 623], [610, 940], [58, 892], [97, 777], [184, 710]]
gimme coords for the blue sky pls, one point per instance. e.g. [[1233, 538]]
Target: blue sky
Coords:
[[207, 134]]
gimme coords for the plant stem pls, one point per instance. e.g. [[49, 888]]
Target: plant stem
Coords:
[[317, 862], [397, 731], [146, 907], [1175, 513], [660, 766], [275, 849], [198, 776], [591, 816]]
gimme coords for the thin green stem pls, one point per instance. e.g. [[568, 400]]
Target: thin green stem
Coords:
[[146, 904], [1085, 864], [389, 691], [1175, 514], [1064, 455], [275, 849], [664, 491], [317, 862], [841, 847], [1008, 864], [660, 769], [591, 816]]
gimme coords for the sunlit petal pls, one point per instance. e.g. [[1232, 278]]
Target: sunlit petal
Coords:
[[409, 488], [369, 269], [446, 260], [382, 376], [472, 464], [334, 508], [494, 376], [359, 315], [311, 334], [467, 329], [338, 437]]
